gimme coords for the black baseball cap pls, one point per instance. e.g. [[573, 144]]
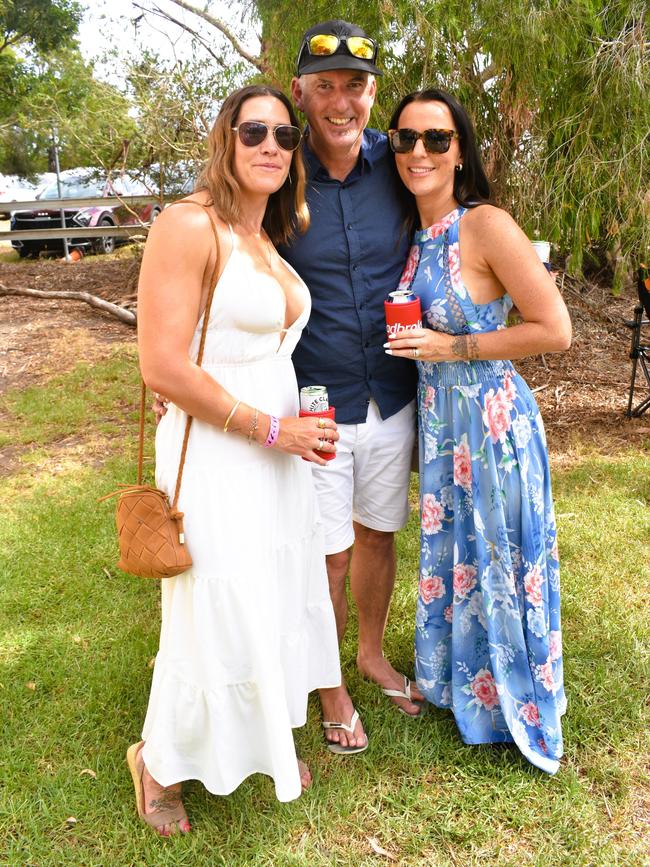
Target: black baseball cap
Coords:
[[342, 58]]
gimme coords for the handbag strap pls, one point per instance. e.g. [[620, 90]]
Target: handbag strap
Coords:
[[199, 358]]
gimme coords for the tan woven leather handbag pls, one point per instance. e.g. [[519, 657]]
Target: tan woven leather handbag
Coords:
[[150, 530]]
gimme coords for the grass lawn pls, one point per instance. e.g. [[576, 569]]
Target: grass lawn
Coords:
[[77, 640]]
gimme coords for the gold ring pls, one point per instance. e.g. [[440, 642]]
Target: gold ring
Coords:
[[321, 423], [415, 353]]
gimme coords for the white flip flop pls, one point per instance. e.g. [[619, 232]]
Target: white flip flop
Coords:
[[338, 726], [405, 693]]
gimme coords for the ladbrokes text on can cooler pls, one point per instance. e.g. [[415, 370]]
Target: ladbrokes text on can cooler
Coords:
[[403, 313]]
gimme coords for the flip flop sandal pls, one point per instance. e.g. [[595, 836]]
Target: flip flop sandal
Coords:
[[337, 726], [405, 693], [162, 817]]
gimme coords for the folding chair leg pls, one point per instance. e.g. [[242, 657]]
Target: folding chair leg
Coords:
[[645, 404], [641, 408], [629, 412]]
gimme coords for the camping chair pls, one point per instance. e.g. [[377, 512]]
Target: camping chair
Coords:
[[640, 351]]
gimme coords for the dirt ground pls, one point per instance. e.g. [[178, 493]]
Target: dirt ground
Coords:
[[582, 393]]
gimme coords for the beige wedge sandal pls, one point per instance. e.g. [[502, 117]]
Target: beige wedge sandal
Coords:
[[161, 817]]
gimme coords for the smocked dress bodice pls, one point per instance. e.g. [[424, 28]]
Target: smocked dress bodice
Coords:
[[446, 303]]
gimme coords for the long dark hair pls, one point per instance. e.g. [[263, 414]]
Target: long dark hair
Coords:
[[287, 209], [471, 186]]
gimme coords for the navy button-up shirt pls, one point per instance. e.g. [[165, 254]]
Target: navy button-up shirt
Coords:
[[351, 257]]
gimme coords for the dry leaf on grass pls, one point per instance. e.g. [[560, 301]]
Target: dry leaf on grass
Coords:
[[31, 685], [89, 772], [71, 821], [379, 850]]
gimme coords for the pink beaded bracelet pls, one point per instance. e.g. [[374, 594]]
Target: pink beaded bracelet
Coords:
[[274, 430]]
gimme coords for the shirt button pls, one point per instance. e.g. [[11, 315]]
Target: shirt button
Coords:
[[349, 226], [355, 267]]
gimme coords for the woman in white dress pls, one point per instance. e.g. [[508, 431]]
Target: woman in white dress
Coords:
[[249, 630]]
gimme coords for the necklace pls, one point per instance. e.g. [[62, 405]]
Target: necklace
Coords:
[[270, 253]]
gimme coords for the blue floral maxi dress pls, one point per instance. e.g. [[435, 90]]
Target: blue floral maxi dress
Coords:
[[487, 641]]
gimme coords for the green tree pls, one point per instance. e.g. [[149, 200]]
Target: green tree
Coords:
[[92, 118], [41, 25], [176, 102], [559, 91], [30, 29], [44, 82]]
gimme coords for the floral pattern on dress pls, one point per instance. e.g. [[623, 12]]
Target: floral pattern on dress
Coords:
[[488, 637]]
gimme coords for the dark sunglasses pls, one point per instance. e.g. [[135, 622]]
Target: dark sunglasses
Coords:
[[435, 141], [326, 44], [254, 132]]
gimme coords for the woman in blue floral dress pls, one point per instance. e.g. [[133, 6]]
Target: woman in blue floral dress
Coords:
[[487, 642]]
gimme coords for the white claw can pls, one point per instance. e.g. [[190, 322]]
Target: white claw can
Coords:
[[314, 398]]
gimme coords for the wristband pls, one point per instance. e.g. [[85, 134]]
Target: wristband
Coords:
[[274, 430]]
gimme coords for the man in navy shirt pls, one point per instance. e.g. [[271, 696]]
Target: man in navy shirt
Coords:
[[351, 258]]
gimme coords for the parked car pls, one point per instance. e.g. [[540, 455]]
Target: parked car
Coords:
[[76, 184], [16, 188]]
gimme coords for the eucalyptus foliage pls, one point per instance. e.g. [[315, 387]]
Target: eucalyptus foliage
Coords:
[[177, 102], [559, 91], [45, 83], [91, 119]]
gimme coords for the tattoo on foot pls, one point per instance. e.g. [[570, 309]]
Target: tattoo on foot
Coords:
[[465, 346], [167, 801]]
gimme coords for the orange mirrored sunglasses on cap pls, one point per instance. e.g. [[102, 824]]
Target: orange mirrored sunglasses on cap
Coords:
[[326, 44]]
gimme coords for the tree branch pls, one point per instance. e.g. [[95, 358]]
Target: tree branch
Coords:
[[120, 313], [162, 14], [258, 62], [489, 72]]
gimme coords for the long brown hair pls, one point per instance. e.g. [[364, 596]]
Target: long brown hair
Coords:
[[287, 210]]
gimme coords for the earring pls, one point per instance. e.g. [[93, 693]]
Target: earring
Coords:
[[459, 167]]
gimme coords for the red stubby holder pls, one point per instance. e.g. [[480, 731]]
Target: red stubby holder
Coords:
[[326, 413], [402, 317]]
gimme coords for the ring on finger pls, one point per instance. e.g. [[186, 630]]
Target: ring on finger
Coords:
[[321, 423], [415, 352]]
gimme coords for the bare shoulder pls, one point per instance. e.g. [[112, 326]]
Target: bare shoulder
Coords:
[[491, 224], [188, 223]]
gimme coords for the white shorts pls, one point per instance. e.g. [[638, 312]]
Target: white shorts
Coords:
[[368, 481]]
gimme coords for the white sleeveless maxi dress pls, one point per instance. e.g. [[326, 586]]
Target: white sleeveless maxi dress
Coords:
[[249, 630]]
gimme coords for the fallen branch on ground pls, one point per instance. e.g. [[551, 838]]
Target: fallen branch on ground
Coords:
[[120, 313]]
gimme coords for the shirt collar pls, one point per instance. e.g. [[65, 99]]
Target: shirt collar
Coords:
[[315, 169]]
